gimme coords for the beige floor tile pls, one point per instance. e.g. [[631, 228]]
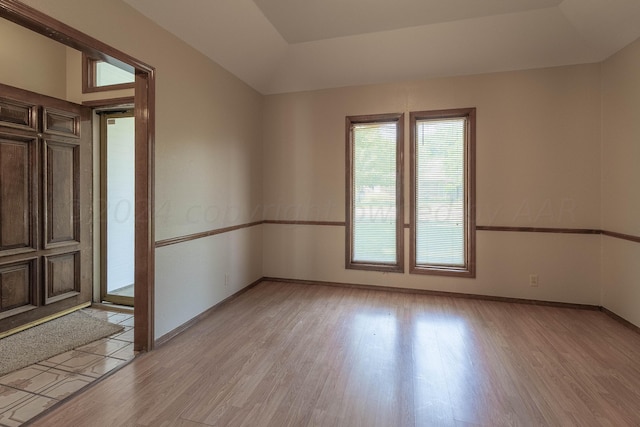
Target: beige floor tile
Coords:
[[103, 347], [100, 367], [127, 322], [125, 353], [17, 378], [64, 384], [25, 410], [55, 383], [127, 335], [92, 365], [119, 317], [73, 361], [10, 397], [56, 360]]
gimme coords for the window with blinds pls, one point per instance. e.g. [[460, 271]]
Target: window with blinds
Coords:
[[442, 193], [374, 192]]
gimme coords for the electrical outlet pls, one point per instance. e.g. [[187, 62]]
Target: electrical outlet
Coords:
[[533, 280], [226, 280]]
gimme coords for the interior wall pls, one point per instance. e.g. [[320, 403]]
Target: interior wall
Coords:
[[208, 159], [620, 178], [538, 165], [31, 61]]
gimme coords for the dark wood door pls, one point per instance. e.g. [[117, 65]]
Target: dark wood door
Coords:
[[45, 207]]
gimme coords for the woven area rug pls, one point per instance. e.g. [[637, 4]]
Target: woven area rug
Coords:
[[52, 338]]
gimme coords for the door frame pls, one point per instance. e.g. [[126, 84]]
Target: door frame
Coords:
[[105, 115], [144, 113]]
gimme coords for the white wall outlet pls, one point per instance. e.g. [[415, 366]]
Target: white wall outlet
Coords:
[[226, 280], [533, 280]]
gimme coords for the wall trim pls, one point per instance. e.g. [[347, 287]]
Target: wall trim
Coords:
[[613, 234], [434, 293], [189, 323], [622, 236], [620, 319], [202, 234], [539, 229], [194, 236], [556, 304], [285, 222]]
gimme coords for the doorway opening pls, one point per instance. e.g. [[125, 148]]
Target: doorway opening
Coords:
[[117, 206], [144, 112]]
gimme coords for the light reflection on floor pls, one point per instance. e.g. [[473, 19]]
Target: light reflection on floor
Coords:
[[437, 362]]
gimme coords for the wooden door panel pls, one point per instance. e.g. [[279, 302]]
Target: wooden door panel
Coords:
[[17, 194], [19, 115], [61, 123], [61, 276], [46, 168], [61, 193], [18, 287]]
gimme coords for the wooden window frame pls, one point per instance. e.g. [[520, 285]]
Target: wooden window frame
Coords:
[[89, 77], [469, 269], [398, 119]]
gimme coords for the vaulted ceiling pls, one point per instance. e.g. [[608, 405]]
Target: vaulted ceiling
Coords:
[[280, 46]]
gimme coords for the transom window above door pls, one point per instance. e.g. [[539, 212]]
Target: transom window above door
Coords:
[[99, 75]]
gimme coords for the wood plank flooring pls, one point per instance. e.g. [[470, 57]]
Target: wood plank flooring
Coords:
[[301, 355]]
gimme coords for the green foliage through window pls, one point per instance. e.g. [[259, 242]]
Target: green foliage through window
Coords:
[[374, 211]]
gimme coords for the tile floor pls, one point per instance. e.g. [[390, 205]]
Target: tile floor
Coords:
[[29, 391]]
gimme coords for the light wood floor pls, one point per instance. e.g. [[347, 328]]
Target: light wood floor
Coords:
[[301, 355]]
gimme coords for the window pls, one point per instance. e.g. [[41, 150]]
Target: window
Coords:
[[99, 75], [442, 227], [374, 217]]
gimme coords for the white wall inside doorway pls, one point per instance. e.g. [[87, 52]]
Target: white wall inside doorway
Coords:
[[120, 202]]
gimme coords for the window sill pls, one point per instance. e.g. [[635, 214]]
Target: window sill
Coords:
[[443, 271], [385, 268]]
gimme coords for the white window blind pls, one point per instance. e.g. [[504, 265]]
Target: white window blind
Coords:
[[374, 198], [440, 192]]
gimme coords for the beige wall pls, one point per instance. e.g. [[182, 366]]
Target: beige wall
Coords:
[[620, 181], [31, 61], [208, 154], [538, 165]]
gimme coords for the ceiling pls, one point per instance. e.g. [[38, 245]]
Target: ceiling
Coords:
[[303, 21], [279, 46]]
